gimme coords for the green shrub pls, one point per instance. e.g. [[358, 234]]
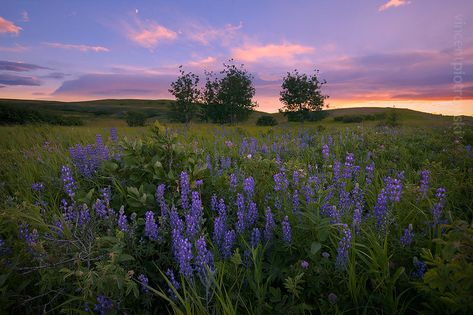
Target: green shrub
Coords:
[[359, 118], [135, 119], [316, 115], [303, 115], [266, 121], [392, 118], [19, 116], [449, 280]]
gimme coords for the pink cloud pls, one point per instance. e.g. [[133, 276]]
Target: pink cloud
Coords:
[[393, 4], [116, 86], [8, 27], [284, 52], [15, 48], [205, 35], [149, 34], [331, 47], [167, 69], [203, 62], [78, 47]]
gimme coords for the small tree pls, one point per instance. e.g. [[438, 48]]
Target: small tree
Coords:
[[301, 94], [185, 90], [392, 118], [266, 120], [210, 106], [134, 119], [235, 93], [228, 98]]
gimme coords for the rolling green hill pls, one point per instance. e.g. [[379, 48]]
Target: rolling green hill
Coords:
[[107, 111]]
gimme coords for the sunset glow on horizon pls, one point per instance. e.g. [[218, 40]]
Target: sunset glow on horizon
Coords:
[[414, 54]]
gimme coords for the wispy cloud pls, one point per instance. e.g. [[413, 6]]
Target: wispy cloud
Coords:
[[412, 75], [149, 34], [13, 79], [393, 4], [84, 48], [24, 16], [9, 27], [55, 75], [19, 66], [207, 34], [15, 48], [284, 52], [116, 85], [203, 62], [143, 71]]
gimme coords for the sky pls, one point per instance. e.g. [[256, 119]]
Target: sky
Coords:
[[414, 54]]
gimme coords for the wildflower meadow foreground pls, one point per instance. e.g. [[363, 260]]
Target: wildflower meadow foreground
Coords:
[[232, 221]]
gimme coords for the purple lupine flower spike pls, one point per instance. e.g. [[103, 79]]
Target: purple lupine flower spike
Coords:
[[440, 194], [151, 228], [255, 237], [184, 186], [349, 162], [269, 225], [424, 183], [325, 151], [343, 246], [103, 305], [113, 134], [228, 243], [68, 181], [122, 220], [174, 283], [204, 258], [144, 283], [249, 186], [286, 231], [407, 237], [240, 224], [233, 182]]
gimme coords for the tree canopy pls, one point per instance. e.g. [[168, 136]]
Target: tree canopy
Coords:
[[301, 93], [186, 91], [228, 98]]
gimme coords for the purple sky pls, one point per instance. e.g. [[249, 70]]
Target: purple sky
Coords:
[[371, 52]]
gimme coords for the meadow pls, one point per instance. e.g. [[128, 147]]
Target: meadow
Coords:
[[313, 218]]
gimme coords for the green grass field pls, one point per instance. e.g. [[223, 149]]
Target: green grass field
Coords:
[[110, 113], [345, 222]]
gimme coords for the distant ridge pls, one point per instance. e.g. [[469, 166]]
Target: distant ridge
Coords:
[[159, 108]]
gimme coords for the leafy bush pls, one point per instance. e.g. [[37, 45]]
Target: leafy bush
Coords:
[[352, 119], [316, 115], [306, 115], [266, 120], [19, 116], [135, 119], [449, 280], [392, 118], [359, 118]]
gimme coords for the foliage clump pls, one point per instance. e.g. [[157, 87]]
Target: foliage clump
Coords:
[[185, 90], [228, 98], [9, 115], [266, 120], [301, 94], [135, 118]]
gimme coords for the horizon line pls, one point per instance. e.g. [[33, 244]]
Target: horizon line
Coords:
[[327, 107]]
